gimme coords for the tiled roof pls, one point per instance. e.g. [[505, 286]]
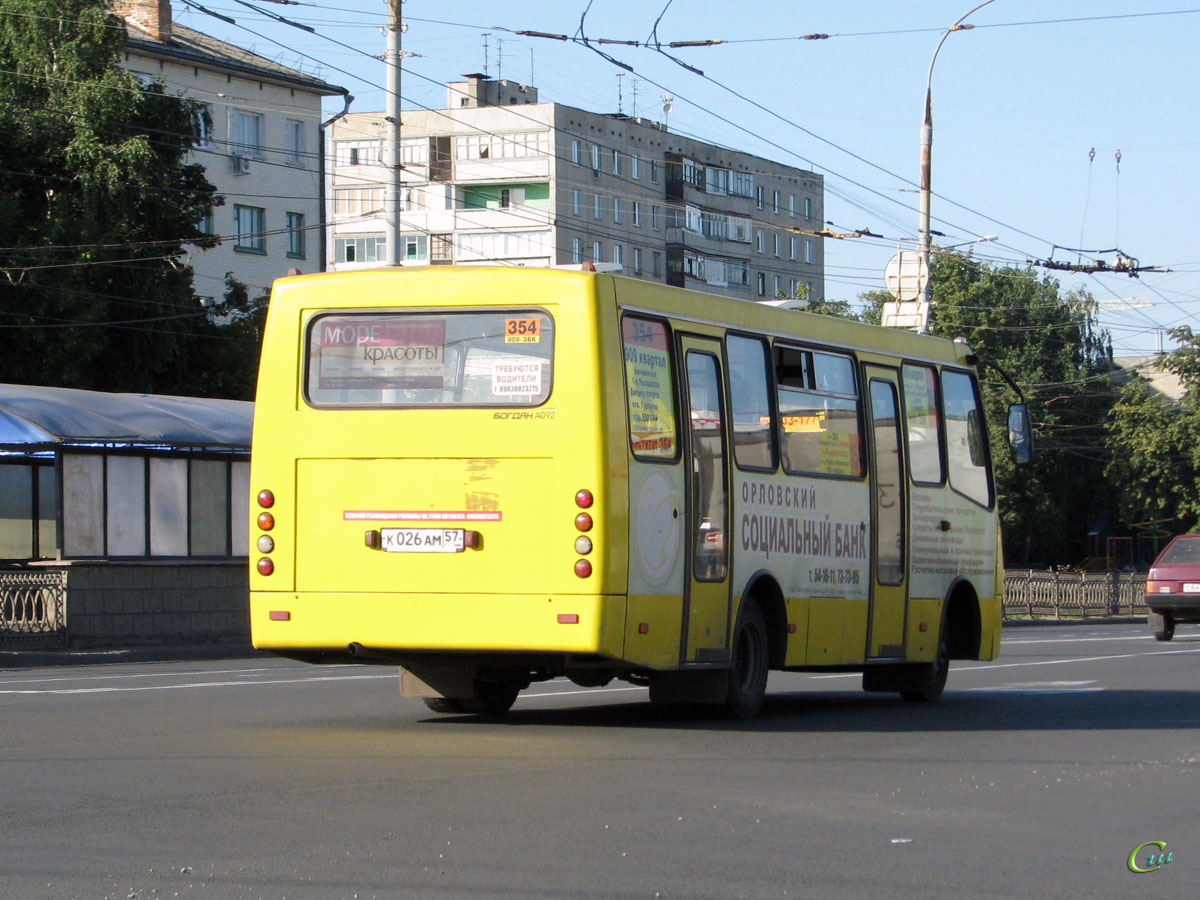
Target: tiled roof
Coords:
[[195, 46]]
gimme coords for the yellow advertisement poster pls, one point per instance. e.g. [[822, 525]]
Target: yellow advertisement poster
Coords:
[[648, 386]]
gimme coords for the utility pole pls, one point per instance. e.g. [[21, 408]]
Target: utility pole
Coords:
[[391, 142]]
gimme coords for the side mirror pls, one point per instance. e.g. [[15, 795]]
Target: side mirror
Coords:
[[1020, 434]]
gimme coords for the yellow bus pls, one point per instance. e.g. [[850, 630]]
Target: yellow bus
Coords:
[[494, 476]]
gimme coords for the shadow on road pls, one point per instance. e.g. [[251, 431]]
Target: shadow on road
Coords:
[[963, 711]]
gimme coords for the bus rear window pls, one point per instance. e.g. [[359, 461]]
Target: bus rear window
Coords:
[[430, 359]]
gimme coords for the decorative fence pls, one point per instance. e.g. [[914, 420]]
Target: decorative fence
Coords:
[[1073, 594], [33, 610]]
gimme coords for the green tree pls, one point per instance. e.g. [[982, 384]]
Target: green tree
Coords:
[[1050, 344], [97, 203], [1154, 445]]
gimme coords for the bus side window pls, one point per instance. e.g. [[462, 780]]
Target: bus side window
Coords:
[[923, 424], [965, 439], [818, 413], [753, 436], [649, 390]]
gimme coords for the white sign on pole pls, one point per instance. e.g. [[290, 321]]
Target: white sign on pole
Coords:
[[905, 275]]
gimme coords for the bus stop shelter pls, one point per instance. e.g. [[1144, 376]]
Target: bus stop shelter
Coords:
[[139, 502]]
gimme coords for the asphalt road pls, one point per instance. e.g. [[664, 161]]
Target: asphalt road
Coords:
[[1035, 776]]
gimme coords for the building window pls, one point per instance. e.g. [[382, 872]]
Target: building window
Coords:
[[247, 134], [597, 251], [808, 251], [205, 225], [576, 250], [295, 235], [616, 162], [357, 201], [293, 142], [596, 157], [741, 184], [502, 146], [654, 171], [655, 218], [618, 255], [248, 228], [775, 242], [635, 166], [758, 240], [616, 209], [637, 214], [597, 207], [778, 286], [637, 260], [575, 151], [791, 248], [792, 205], [775, 201], [761, 284], [655, 263], [760, 195], [360, 249], [576, 202], [202, 123], [808, 207], [414, 247], [357, 153], [441, 249]]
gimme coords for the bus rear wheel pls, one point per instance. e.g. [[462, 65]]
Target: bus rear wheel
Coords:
[[749, 664], [492, 698]]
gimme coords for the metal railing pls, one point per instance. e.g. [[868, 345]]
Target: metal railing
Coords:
[[33, 610], [1032, 593]]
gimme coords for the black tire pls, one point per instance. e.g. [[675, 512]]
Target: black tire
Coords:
[[445, 704], [931, 677], [492, 698], [1162, 625], [749, 663]]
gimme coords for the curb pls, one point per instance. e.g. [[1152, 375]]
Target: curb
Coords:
[[28, 659]]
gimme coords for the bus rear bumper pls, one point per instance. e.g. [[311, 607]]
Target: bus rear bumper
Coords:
[[311, 623]]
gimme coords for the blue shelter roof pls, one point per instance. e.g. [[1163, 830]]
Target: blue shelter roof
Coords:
[[46, 418]]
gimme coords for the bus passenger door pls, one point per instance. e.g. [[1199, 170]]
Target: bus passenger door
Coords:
[[889, 498], [706, 605]]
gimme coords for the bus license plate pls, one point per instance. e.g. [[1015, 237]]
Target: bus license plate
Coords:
[[422, 540]]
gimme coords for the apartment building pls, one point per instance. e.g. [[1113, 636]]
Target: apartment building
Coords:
[[262, 151], [497, 177]]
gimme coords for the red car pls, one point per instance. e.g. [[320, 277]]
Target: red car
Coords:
[[1173, 586]]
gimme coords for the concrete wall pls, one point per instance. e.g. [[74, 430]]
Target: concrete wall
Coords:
[[113, 604]]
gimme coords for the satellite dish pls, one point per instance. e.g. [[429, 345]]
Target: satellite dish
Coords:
[[667, 107]]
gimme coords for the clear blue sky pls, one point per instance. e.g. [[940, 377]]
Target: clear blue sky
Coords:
[[1019, 101]]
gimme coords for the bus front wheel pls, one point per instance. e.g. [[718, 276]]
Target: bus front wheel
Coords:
[[749, 663], [930, 679]]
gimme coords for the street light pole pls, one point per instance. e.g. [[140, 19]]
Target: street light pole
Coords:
[[391, 141], [923, 230]]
